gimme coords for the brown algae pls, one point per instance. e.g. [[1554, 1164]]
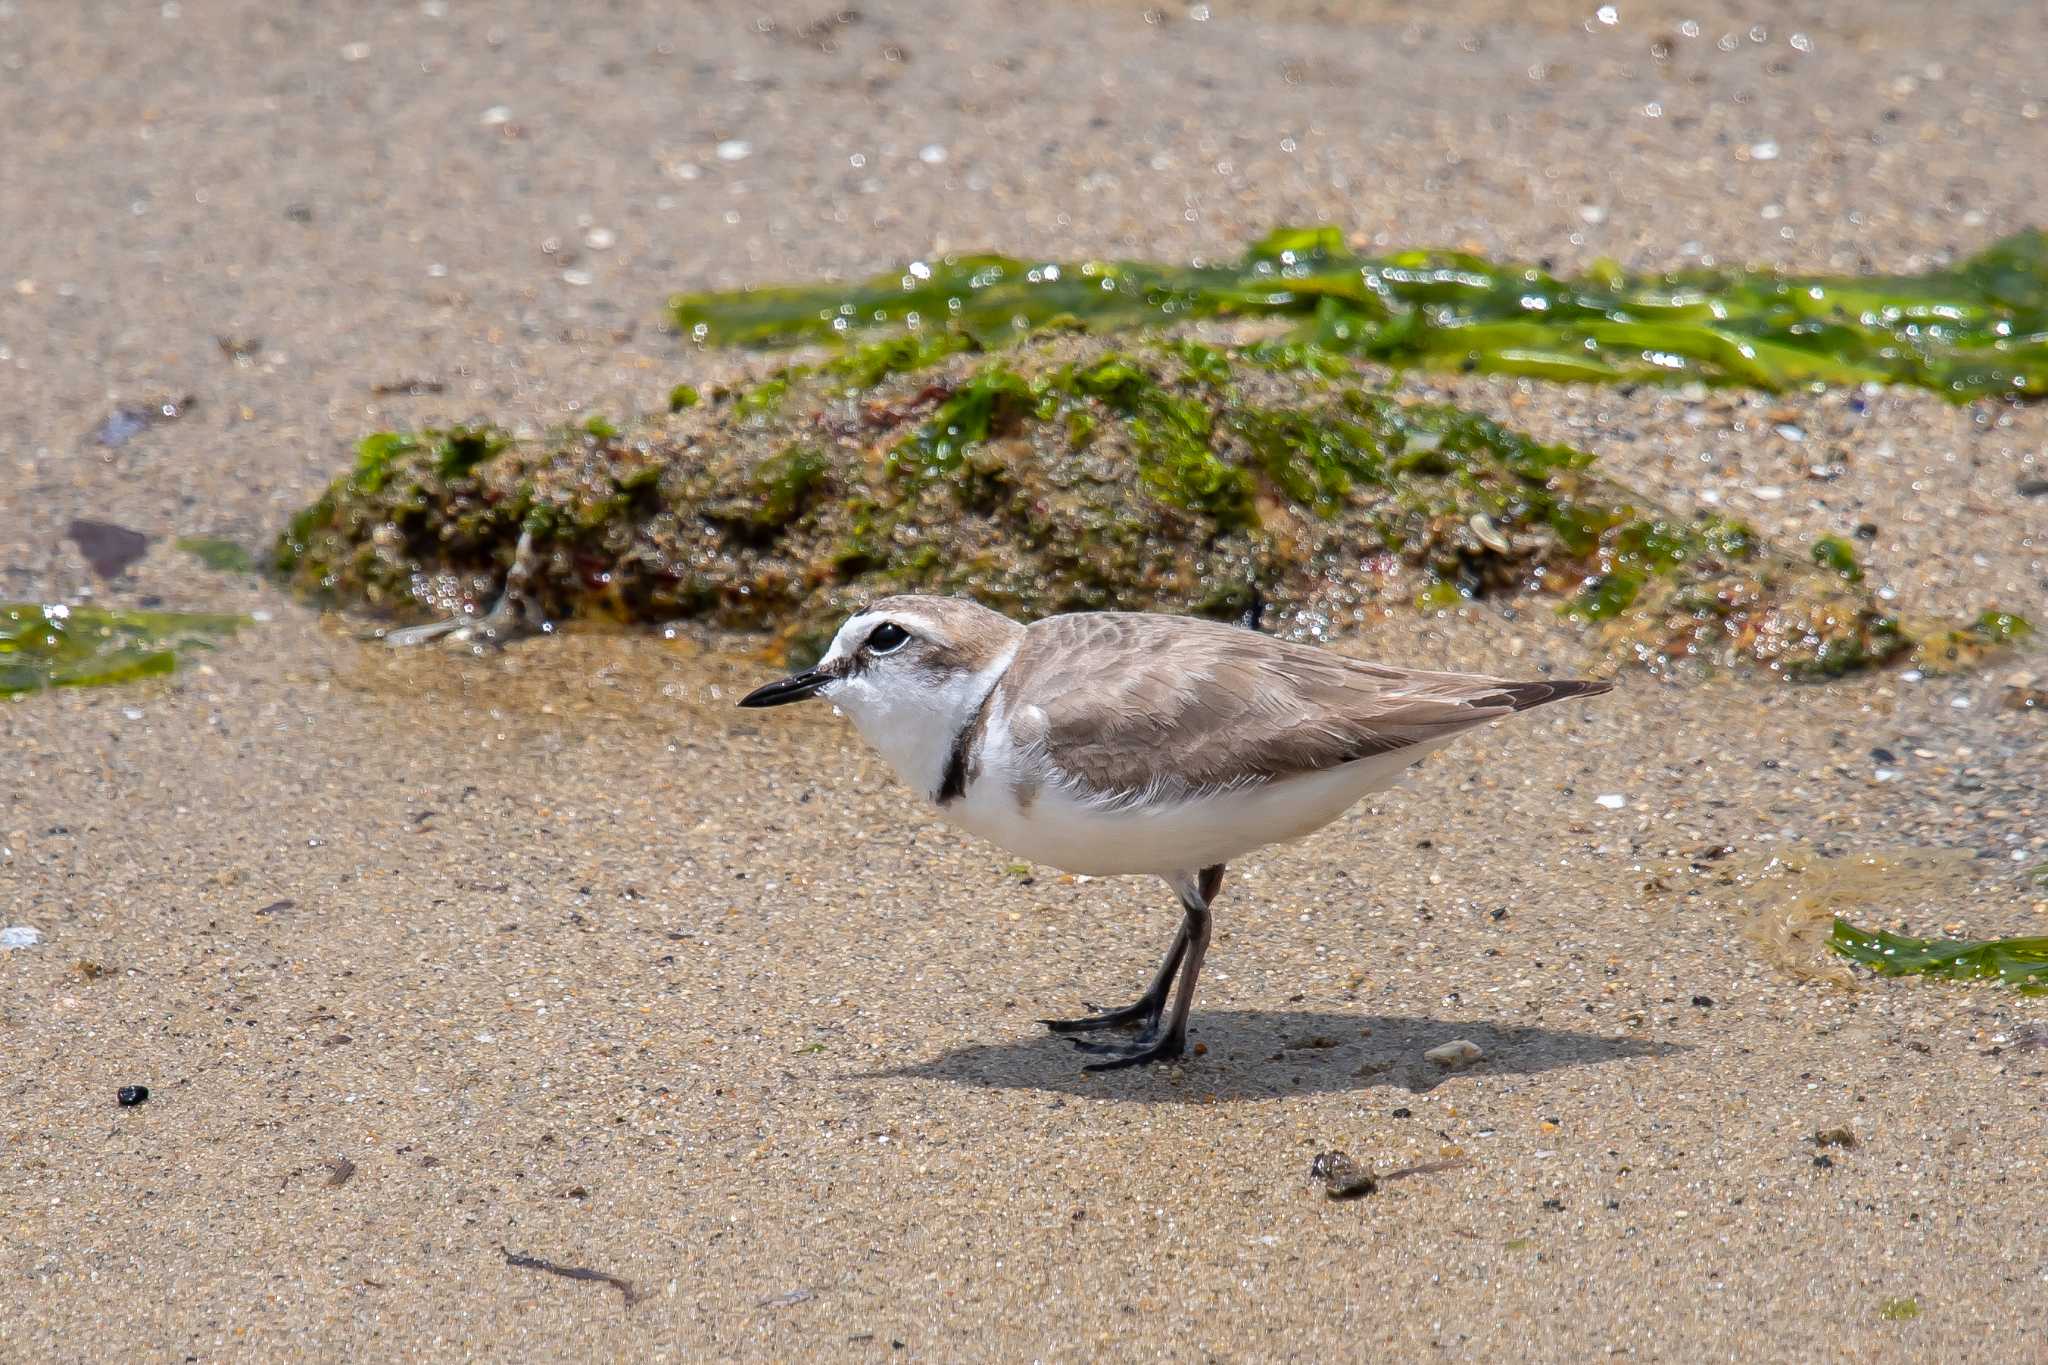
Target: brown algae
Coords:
[[1069, 473], [1976, 328], [1791, 901], [1797, 913], [58, 646]]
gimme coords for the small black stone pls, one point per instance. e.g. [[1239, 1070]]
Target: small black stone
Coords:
[[1824, 1161], [1554, 1205], [1705, 1002], [1404, 1112], [128, 1096], [1884, 755], [2032, 488]]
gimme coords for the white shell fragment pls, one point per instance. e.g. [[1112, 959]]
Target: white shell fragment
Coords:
[[1455, 1055]]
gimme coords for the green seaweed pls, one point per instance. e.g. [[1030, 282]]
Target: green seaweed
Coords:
[[455, 450], [2002, 627], [683, 396], [222, 556], [458, 450], [1964, 647], [1899, 1310], [764, 398], [2018, 962], [783, 483], [1975, 328], [1833, 552], [994, 398], [864, 366], [376, 454], [44, 646]]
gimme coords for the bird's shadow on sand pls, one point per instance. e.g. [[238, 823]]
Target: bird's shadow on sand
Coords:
[[1263, 1054]]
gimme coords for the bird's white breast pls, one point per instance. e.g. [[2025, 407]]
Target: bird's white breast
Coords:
[[1029, 808]]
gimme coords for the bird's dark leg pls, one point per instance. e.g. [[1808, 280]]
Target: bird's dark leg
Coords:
[[1185, 961], [1147, 1007]]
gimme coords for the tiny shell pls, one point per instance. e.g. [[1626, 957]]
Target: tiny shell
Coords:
[[1455, 1055]]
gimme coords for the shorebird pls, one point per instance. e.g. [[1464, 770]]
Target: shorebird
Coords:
[[1118, 743]]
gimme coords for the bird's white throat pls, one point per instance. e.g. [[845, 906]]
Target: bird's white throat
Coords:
[[912, 721]]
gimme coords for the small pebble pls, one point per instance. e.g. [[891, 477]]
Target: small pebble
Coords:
[[1612, 801], [1455, 1055], [735, 149], [128, 1096], [20, 936]]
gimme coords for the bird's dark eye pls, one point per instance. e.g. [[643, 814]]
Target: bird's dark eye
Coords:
[[887, 638]]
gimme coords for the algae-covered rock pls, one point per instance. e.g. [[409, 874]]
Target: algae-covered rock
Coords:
[[1067, 472]]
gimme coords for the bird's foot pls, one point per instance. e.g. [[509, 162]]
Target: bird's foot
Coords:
[[1144, 1011], [1147, 1049]]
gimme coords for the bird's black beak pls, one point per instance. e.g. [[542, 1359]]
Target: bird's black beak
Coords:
[[783, 691]]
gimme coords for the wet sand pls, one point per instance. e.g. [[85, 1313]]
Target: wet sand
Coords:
[[558, 954]]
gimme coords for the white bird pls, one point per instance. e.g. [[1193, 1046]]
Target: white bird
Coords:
[[1112, 743]]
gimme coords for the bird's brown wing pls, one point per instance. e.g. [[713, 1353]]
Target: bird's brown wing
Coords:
[[1128, 703]]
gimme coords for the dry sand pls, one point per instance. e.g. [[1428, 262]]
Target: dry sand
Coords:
[[425, 959]]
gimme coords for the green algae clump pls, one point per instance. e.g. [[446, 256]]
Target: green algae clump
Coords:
[[44, 646], [217, 554], [1067, 473], [1976, 328], [2018, 962]]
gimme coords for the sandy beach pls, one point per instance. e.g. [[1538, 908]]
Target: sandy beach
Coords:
[[436, 967]]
